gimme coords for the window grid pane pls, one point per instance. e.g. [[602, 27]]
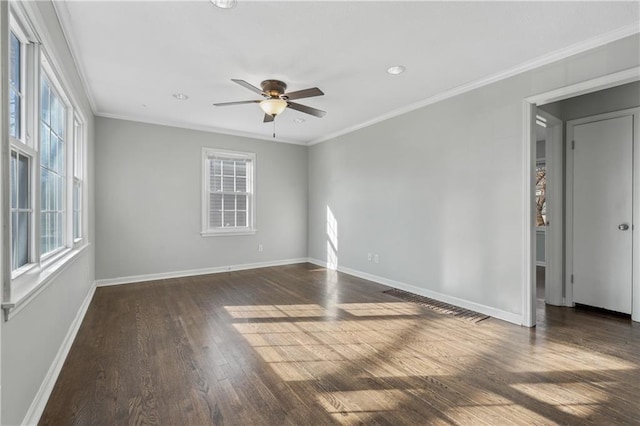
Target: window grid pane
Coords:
[[52, 169], [15, 87], [20, 183], [228, 193], [77, 216]]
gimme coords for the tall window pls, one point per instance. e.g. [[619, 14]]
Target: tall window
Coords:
[[78, 157], [52, 168], [228, 203], [20, 156], [46, 163]]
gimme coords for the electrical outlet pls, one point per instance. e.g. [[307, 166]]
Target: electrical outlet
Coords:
[[376, 258], [260, 247], [369, 257]]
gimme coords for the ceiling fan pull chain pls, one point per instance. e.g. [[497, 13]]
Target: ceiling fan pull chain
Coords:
[[274, 128]]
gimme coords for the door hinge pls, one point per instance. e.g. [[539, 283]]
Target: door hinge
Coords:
[[573, 144], [571, 278]]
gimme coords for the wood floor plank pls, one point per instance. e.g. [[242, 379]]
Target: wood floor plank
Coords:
[[301, 345]]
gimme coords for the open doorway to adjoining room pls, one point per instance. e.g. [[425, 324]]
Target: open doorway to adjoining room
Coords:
[[549, 118]]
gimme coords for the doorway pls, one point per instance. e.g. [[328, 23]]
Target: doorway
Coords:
[[556, 245], [549, 223]]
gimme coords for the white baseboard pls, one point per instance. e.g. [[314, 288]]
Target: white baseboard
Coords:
[[40, 401], [462, 303], [189, 273]]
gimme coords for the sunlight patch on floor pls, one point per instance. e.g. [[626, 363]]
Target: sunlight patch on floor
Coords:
[[405, 352], [578, 399], [572, 358], [380, 309], [276, 311], [348, 407]]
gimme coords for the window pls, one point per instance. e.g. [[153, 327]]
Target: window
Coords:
[[47, 165], [16, 89], [78, 161], [52, 168], [20, 209], [21, 155], [541, 192], [228, 197]]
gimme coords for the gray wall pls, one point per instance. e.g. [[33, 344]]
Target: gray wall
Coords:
[[540, 240], [600, 102], [438, 192], [149, 181], [32, 338]]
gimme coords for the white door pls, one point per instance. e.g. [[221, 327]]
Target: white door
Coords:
[[602, 213]]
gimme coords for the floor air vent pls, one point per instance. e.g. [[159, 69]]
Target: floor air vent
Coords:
[[436, 305]]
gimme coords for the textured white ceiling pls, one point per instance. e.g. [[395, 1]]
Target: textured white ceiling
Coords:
[[135, 55]]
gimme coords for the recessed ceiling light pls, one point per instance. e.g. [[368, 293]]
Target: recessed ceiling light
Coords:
[[299, 120], [396, 69], [224, 4], [180, 96]]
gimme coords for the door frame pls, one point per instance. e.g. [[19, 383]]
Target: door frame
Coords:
[[635, 212], [528, 146], [554, 230]]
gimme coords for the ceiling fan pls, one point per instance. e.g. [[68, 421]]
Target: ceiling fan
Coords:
[[276, 99]]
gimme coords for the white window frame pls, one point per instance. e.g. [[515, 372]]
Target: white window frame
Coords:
[[55, 88], [25, 283], [212, 153], [30, 210], [23, 40], [78, 150], [24, 144]]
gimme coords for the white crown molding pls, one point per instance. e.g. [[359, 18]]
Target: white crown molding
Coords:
[[64, 19], [462, 303], [52, 52], [32, 417], [193, 272], [547, 59], [169, 123]]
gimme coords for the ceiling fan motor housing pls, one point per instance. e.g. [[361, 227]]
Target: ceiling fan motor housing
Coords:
[[274, 88]]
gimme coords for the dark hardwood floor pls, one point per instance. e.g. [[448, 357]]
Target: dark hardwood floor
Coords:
[[300, 345]]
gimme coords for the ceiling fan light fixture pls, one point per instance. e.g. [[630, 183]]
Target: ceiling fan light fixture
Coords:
[[224, 4], [273, 106], [396, 69]]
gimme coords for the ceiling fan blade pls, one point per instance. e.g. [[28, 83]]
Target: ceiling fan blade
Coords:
[[306, 93], [268, 118], [248, 86], [236, 103], [306, 109]]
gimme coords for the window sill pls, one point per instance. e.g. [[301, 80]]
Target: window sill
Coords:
[[228, 232], [32, 282], [24, 269]]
